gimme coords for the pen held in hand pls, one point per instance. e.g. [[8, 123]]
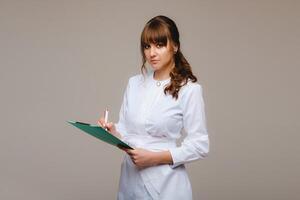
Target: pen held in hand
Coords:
[[106, 118]]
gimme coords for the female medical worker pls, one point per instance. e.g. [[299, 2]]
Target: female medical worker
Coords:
[[158, 106]]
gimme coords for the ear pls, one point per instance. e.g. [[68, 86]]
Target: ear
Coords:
[[175, 48]]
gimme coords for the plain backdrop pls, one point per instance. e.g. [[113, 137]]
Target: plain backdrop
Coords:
[[69, 60]]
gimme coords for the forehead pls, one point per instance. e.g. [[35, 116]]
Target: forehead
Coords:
[[155, 33]]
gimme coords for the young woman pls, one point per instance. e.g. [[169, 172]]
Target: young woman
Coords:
[[158, 106]]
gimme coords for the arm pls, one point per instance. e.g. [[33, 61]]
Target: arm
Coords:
[[145, 158], [196, 144], [118, 129]]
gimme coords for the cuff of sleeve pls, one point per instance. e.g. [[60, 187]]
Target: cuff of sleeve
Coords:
[[175, 153]]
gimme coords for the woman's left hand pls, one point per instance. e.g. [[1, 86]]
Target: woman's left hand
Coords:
[[142, 158]]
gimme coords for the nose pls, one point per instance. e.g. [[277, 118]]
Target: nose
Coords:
[[152, 51]]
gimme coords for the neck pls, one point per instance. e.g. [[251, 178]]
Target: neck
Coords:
[[164, 73]]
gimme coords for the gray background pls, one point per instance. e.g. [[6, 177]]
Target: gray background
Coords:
[[62, 60]]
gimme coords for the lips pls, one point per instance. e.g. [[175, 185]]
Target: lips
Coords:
[[154, 61]]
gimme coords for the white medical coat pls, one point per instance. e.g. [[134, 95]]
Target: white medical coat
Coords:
[[151, 120]]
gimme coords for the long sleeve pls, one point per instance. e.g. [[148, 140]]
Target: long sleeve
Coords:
[[121, 125], [196, 143]]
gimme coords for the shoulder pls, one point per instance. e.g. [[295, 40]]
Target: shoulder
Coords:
[[191, 88], [191, 95], [136, 80]]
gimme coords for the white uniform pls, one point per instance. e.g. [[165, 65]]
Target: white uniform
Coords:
[[151, 120]]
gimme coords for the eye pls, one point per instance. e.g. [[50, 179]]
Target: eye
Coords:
[[146, 46], [159, 45]]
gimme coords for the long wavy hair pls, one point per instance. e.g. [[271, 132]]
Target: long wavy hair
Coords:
[[161, 30]]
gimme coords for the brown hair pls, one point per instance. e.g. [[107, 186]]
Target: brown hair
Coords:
[[160, 30]]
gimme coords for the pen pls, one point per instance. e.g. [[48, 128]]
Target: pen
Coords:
[[106, 117]]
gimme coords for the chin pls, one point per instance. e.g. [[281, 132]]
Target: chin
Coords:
[[155, 67]]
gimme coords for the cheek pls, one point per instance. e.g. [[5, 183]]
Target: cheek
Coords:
[[166, 53], [147, 55], [167, 56]]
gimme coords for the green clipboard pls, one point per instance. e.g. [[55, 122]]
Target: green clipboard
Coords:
[[100, 133]]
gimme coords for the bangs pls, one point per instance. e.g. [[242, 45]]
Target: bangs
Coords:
[[155, 33]]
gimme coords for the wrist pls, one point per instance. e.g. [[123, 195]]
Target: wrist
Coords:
[[163, 157], [156, 158]]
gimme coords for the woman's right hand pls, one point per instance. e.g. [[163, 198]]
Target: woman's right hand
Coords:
[[110, 126]]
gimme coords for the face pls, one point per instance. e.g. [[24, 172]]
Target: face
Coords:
[[158, 56]]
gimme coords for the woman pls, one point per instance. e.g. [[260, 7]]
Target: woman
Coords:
[[158, 105]]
